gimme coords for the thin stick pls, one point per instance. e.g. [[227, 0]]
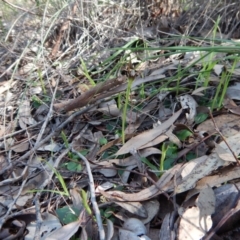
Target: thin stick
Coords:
[[91, 96], [20, 131], [49, 115], [10, 206], [39, 220], [17, 7], [217, 129], [93, 196]]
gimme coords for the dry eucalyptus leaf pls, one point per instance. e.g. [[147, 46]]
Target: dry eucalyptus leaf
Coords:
[[227, 197], [76, 199], [127, 235], [223, 176], [173, 138], [165, 231], [23, 199], [65, 232], [110, 108], [198, 168], [155, 141], [50, 223], [6, 85], [21, 147], [147, 136], [108, 170], [152, 208], [235, 71], [52, 147], [206, 202], [163, 113], [233, 91], [165, 183], [125, 175], [35, 90], [28, 68], [192, 225], [218, 68], [104, 187], [136, 226], [224, 154], [233, 142], [110, 230], [228, 124], [135, 208], [231, 106], [129, 161], [198, 91], [189, 167]]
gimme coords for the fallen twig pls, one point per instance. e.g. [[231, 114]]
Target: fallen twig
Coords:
[[10, 206], [93, 196], [49, 115], [90, 96]]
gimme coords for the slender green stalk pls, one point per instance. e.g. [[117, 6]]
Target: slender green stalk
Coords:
[[124, 115], [85, 201], [86, 73], [163, 156]]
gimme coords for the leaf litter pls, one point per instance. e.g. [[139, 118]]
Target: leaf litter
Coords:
[[48, 155]]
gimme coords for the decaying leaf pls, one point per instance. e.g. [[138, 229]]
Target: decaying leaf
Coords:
[[198, 91], [108, 169], [231, 106], [133, 228], [227, 197], [224, 154], [201, 167], [52, 147], [218, 68], [127, 172], [188, 102], [110, 108], [223, 176], [126, 234], [155, 141], [233, 92], [206, 202], [24, 112], [104, 187], [6, 85], [65, 232], [21, 147], [50, 223], [135, 208], [110, 230], [28, 68], [165, 231], [135, 225], [228, 124], [152, 208]]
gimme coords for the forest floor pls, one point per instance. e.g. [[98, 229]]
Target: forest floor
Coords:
[[119, 121]]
